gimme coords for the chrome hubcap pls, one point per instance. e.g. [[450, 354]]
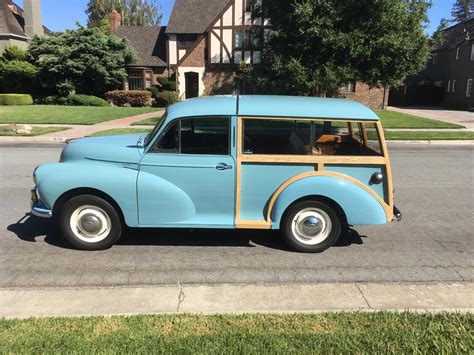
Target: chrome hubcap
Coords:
[[311, 226], [90, 224]]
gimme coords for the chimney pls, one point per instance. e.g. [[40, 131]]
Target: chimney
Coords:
[[115, 20], [32, 16]]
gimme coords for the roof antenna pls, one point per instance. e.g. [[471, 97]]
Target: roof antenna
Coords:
[[237, 89]]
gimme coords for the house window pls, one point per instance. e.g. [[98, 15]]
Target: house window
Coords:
[[457, 52], [186, 41], [472, 51], [135, 80], [139, 79], [435, 58], [449, 85], [348, 87], [249, 5], [469, 88], [239, 39], [249, 39], [439, 83], [453, 87]]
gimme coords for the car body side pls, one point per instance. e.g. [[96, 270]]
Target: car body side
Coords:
[[263, 196]]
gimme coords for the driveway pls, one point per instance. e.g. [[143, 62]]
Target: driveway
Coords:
[[433, 243], [463, 118]]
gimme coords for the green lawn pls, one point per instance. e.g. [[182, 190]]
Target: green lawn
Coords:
[[36, 131], [393, 119], [425, 135], [148, 122], [86, 115], [114, 131], [346, 333]]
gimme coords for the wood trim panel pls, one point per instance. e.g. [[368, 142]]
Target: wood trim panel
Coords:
[[388, 168], [254, 225], [288, 182], [312, 159]]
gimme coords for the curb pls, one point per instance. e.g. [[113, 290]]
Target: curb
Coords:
[[231, 298]]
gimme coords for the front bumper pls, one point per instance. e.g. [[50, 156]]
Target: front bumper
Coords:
[[397, 215], [37, 206]]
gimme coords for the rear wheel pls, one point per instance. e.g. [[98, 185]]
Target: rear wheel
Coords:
[[90, 223], [310, 226]]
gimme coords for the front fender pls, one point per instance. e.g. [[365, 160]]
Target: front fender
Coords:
[[53, 180], [359, 206]]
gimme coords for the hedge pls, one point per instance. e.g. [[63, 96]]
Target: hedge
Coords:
[[166, 84], [15, 99], [134, 98], [166, 98], [85, 100], [72, 100]]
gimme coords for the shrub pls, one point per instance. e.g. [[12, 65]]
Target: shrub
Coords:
[[166, 84], [154, 91], [14, 53], [135, 98], [15, 99], [85, 100], [166, 98], [50, 100], [17, 77]]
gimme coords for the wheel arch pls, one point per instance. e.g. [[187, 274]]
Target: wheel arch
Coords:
[[358, 205], [66, 196]]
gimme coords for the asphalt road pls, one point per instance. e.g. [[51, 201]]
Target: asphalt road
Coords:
[[434, 242]]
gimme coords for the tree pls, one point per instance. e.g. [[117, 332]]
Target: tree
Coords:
[[461, 11], [16, 74], [317, 45], [134, 12], [85, 61], [438, 36]]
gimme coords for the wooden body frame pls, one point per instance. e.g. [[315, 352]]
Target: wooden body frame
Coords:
[[319, 161]]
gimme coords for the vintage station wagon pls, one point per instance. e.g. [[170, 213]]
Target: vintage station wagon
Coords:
[[306, 166]]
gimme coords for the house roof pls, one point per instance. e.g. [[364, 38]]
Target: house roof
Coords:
[[194, 16], [272, 106], [11, 22], [458, 34], [149, 43]]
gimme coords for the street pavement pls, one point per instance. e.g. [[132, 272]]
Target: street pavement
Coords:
[[433, 242]]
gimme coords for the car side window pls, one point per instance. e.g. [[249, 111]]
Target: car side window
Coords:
[[201, 135], [168, 142]]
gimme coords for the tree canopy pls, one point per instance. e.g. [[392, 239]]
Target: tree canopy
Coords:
[[461, 11], [84, 61], [133, 12], [317, 45]]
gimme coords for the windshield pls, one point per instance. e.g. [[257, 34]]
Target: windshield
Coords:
[[150, 135]]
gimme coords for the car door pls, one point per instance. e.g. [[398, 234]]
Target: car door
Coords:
[[187, 178]]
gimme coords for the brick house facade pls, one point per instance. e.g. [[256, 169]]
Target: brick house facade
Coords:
[[206, 40]]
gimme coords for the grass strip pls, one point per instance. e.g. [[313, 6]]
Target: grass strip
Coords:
[[394, 119], [36, 131], [378, 333], [81, 115], [117, 131], [424, 135], [149, 122]]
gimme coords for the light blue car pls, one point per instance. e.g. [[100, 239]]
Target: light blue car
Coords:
[[306, 166]]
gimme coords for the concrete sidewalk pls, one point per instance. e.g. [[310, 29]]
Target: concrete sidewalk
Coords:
[[463, 118], [436, 297], [79, 131]]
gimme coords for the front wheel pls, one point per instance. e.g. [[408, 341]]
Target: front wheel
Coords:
[[310, 226], [90, 223]]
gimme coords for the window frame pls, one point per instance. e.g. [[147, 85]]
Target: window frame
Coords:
[[154, 148], [361, 123], [469, 85]]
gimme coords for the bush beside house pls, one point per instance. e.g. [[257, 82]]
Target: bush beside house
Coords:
[[134, 98], [166, 98], [72, 100]]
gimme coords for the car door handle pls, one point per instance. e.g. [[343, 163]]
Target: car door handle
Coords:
[[223, 166]]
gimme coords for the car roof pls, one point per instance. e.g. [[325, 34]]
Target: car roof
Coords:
[[272, 106]]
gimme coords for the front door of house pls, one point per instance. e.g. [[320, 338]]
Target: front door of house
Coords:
[[192, 84]]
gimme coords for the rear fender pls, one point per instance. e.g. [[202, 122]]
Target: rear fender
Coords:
[[359, 205]]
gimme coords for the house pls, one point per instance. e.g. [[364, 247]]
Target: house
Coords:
[[206, 40], [451, 68], [18, 25]]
